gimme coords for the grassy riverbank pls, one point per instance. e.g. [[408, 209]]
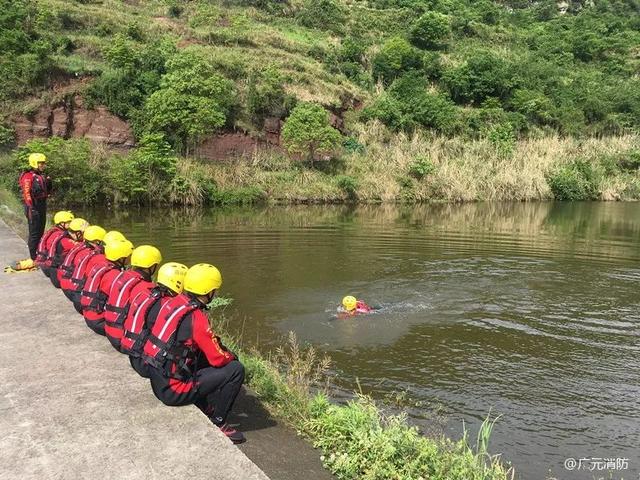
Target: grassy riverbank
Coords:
[[378, 166], [359, 440]]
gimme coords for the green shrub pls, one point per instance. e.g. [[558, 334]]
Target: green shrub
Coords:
[[307, 131], [407, 105], [7, 136], [238, 196], [484, 75], [349, 185], [352, 145], [579, 180], [421, 167], [323, 14], [266, 96], [503, 138], [430, 31], [145, 174], [394, 58]]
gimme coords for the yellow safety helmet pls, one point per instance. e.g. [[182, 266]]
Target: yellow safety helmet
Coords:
[[171, 275], [78, 225], [112, 235], [63, 216], [349, 302], [202, 279], [145, 256], [94, 233], [36, 158], [118, 249]]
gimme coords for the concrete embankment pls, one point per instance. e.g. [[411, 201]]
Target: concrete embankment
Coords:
[[72, 408]]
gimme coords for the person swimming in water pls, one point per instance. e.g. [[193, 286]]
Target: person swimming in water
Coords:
[[352, 306]]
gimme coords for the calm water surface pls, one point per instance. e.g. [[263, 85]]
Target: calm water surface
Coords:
[[530, 311]]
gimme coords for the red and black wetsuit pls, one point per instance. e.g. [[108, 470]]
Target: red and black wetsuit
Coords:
[[46, 247], [35, 188], [62, 248], [96, 291], [139, 323], [188, 363], [73, 284], [127, 284]]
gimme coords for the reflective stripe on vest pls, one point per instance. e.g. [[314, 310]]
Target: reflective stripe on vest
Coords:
[[41, 252], [67, 265], [160, 349], [49, 247], [121, 289], [80, 270], [135, 331], [94, 299], [52, 253]]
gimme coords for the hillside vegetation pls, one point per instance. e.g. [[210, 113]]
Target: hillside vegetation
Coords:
[[438, 99]]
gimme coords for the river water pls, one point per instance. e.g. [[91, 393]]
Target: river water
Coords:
[[529, 311]]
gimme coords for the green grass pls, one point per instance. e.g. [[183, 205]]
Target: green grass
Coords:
[[358, 440]]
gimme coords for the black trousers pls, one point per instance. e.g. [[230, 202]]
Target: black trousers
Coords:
[[140, 366], [215, 392], [97, 327], [54, 277], [36, 221]]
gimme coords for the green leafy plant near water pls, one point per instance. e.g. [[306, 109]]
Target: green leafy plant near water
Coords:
[[359, 440]]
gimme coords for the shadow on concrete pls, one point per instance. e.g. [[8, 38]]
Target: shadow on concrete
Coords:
[[273, 446], [249, 413]]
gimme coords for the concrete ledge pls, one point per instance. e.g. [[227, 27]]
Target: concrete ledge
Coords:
[[71, 407]]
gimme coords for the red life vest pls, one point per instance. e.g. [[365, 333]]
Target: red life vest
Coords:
[[35, 187], [92, 299], [55, 254], [75, 281], [135, 329], [66, 269], [81, 274], [49, 239], [161, 349], [117, 304]]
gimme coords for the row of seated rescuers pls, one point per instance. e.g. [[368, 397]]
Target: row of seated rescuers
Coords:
[[162, 326]]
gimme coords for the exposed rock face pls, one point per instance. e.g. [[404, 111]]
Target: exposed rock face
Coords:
[[231, 145], [72, 119]]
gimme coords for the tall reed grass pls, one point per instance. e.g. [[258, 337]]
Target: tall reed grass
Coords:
[[387, 169]]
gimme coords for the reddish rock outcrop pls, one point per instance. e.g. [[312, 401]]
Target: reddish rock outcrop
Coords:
[[231, 145], [71, 118]]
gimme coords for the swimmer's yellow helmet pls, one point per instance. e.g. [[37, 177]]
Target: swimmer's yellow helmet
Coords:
[[349, 302]]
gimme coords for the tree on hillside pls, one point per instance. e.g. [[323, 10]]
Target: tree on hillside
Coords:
[[395, 57], [193, 101], [430, 31], [307, 131]]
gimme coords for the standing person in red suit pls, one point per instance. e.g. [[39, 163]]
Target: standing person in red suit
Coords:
[[36, 187], [188, 364]]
